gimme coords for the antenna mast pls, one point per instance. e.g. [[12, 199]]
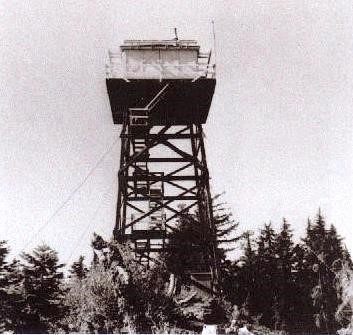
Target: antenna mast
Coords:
[[176, 34], [214, 41]]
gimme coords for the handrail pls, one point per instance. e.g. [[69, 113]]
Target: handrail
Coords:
[[154, 101], [116, 68]]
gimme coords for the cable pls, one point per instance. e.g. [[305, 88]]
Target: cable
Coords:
[[80, 239], [101, 159]]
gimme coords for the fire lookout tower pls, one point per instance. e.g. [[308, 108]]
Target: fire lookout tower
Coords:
[[160, 91]]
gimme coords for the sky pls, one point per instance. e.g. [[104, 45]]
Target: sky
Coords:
[[279, 136]]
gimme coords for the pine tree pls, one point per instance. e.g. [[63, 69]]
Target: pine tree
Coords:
[[190, 243], [333, 255], [78, 269], [283, 277], [226, 229], [265, 285], [246, 276], [314, 260], [187, 245], [344, 284], [16, 297], [5, 302], [41, 290], [323, 249], [4, 251], [302, 309], [118, 294]]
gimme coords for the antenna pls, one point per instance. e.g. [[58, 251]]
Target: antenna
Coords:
[[176, 34], [214, 41]]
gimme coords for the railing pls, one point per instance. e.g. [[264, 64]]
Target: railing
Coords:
[[117, 68], [165, 43]]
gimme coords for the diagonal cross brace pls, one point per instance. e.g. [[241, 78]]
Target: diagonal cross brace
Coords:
[[154, 210], [148, 146], [184, 154]]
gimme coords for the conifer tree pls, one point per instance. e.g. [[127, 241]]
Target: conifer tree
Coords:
[[323, 248], [225, 227], [191, 241], [78, 269], [5, 302], [4, 250], [246, 295], [302, 309], [265, 286], [344, 282], [41, 290], [283, 277], [333, 257], [314, 261], [118, 294], [15, 293], [187, 246]]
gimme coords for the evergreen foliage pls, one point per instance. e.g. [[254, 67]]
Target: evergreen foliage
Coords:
[[5, 299], [276, 284], [39, 283], [78, 269], [284, 283], [15, 295], [323, 248], [191, 242], [118, 294], [344, 313], [286, 286]]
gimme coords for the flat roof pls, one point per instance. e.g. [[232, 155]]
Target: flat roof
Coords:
[[160, 44]]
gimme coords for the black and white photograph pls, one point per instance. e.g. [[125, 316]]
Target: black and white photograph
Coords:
[[176, 167]]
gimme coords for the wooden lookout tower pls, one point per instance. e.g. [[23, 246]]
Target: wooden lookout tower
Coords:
[[160, 91]]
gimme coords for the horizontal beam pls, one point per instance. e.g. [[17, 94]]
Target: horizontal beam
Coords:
[[150, 249], [147, 234], [165, 160], [159, 178], [163, 137], [167, 198]]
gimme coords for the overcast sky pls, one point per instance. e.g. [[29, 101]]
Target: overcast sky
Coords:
[[279, 135]]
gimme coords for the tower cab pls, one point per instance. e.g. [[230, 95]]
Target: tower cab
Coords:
[[143, 74], [160, 59]]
